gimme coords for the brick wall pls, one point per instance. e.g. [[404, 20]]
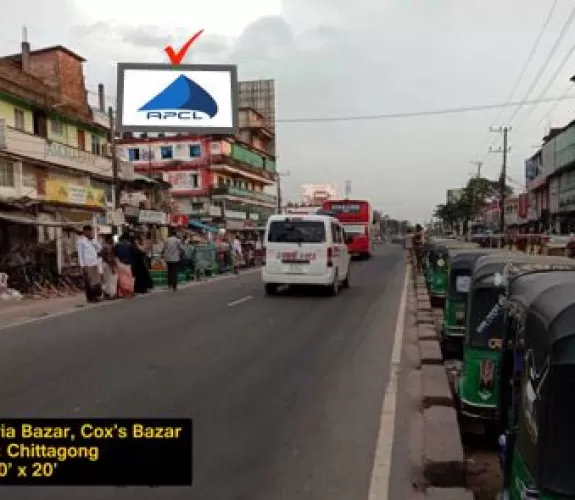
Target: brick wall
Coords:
[[64, 73]]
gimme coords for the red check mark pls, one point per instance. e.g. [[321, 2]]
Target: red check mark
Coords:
[[177, 57]]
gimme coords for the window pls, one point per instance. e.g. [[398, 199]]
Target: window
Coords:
[[19, 119], [354, 230], [57, 127], [296, 231], [195, 150], [166, 152], [336, 233], [96, 145], [134, 154], [6, 174], [29, 176]]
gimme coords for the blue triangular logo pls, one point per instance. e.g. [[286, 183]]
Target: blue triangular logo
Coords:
[[185, 95]]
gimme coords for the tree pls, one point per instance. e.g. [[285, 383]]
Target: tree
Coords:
[[475, 195]]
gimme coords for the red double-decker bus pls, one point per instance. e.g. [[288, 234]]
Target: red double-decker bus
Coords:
[[356, 217]]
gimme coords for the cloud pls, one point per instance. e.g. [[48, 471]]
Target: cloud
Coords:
[[339, 58]]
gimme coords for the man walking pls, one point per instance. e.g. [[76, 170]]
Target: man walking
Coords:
[[88, 259], [173, 251]]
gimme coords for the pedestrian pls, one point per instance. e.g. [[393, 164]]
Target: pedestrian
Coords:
[[237, 253], [173, 252], [88, 259], [109, 269], [123, 250], [142, 279], [408, 245], [418, 243]]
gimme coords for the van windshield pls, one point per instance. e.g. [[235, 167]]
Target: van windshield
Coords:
[[297, 231]]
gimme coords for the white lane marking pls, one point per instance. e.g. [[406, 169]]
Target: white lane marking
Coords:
[[379, 485], [76, 309], [239, 301]]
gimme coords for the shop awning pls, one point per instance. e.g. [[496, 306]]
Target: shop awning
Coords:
[[19, 218], [200, 225]]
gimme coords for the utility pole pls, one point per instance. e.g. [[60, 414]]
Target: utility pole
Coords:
[[478, 165], [502, 179], [279, 176], [115, 180]]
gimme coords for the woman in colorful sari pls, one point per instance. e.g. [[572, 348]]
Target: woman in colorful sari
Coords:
[[109, 271]]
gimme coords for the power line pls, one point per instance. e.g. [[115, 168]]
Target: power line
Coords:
[[524, 70], [547, 115], [411, 114], [554, 77], [542, 69]]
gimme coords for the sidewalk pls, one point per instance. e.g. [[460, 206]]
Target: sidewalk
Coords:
[[14, 312]]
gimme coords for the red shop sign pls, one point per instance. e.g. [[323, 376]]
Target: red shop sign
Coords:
[[179, 220]]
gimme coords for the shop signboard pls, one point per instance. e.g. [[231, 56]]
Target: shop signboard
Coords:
[[215, 211], [234, 214], [131, 212], [179, 220], [183, 180], [65, 192], [152, 217]]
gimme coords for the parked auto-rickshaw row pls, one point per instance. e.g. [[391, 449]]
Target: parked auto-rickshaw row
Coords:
[[509, 322]]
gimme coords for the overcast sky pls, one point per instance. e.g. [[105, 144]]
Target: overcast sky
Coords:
[[334, 58]]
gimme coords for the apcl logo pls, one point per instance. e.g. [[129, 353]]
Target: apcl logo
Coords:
[[183, 99]]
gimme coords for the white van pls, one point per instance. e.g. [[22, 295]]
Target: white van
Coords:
[[305, 250]]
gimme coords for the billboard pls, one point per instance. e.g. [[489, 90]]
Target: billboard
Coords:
[[193, 99], [261, 96], [454, 195], [316, 194]]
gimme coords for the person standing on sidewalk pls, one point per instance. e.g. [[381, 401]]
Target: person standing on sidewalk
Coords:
[[88, 259], [173, 251], [237, 253]]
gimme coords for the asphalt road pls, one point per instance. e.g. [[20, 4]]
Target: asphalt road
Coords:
[[285, 392]]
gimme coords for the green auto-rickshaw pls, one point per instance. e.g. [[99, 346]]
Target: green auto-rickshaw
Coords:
[[537, 377], [460, 267], [430, 251], [477, 389], [438, 267]]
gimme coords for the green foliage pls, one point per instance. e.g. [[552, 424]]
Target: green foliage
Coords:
[[474, 197]]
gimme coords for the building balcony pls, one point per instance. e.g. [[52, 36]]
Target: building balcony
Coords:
[[38, 148], [223, 191]]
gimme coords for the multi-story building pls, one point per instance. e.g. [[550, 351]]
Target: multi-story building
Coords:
[[550, 179], [223, 181], [55, 164]]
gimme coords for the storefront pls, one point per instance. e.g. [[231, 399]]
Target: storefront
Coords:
[[69, 207]]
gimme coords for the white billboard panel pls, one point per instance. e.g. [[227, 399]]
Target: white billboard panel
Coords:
[[316, 194], [193, 99]]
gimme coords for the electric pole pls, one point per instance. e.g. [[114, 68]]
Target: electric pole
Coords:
[[474, 204], [502, 179], [279, 176], [115, 180]]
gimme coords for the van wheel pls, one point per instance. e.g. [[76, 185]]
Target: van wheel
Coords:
[[334, 287], [271, 289], [345, 283]]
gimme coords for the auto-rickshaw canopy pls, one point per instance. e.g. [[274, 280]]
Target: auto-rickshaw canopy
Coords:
[[485, 322], [543, 304]]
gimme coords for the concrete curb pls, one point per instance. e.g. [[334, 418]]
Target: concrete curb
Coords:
[[443, 459]]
